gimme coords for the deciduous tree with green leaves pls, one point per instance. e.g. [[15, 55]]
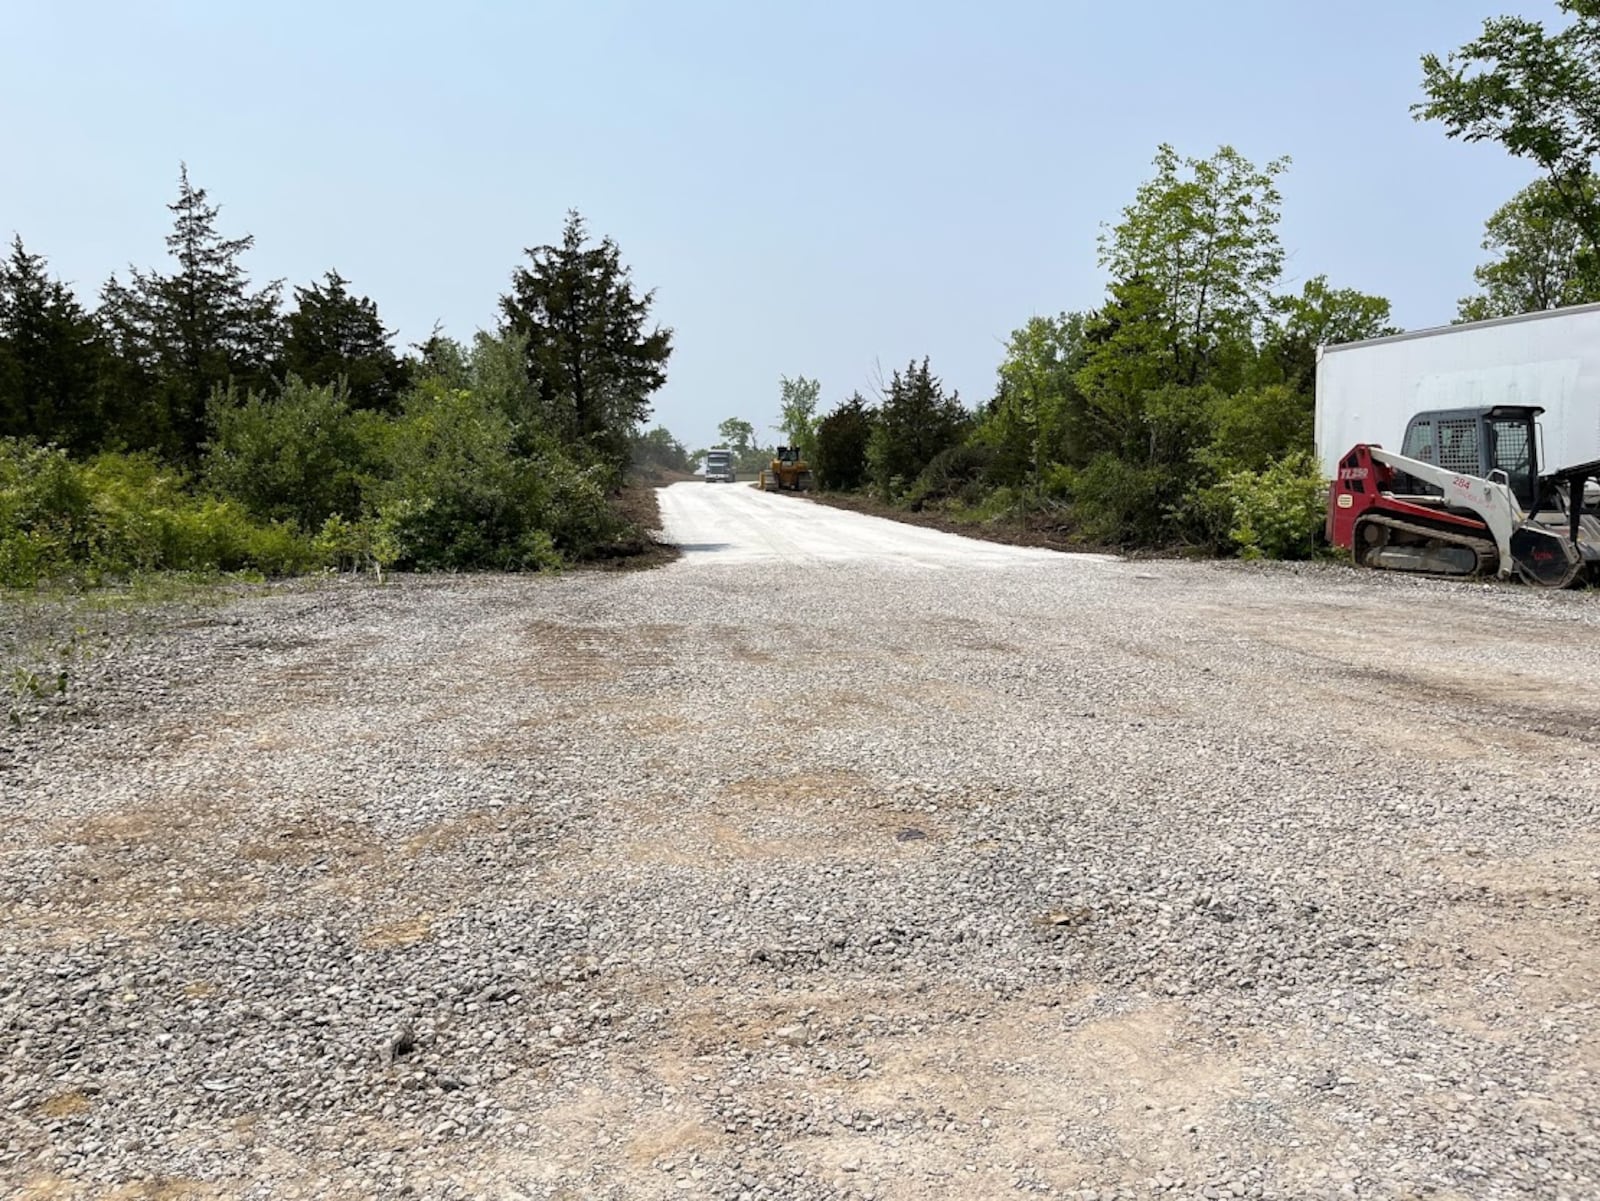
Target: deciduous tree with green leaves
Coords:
[[295, 455], [1128, 355], [1194, 365], [1542, 258], [739, 436], [1534, 92], [1321, 315], [1202, 236], [798, 401], [1037, 414]]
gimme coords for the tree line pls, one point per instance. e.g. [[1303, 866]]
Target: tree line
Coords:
[[195, 419], [1179, 412]]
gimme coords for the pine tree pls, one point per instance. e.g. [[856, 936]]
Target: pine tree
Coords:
[[588, 352], [182, 335], [915, 422], [335, 335], [840, 459], [48, 353]]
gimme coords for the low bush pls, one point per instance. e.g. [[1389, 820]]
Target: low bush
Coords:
[[954, 474], [299, 455], [1119, 503], [457, 493], [116, 515], [1278, 512]]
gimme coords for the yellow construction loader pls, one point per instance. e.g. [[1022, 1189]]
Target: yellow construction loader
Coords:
[[788, 472]]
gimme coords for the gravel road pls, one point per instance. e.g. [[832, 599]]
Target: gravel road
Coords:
[[835, 860], [726, 525]]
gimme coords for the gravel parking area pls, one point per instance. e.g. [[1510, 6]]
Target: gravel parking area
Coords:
[[803, 876]]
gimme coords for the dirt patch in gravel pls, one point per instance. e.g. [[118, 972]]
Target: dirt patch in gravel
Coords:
[[639, 549], [1531, 922]]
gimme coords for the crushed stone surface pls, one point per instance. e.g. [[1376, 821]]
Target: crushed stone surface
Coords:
[[950, 870]]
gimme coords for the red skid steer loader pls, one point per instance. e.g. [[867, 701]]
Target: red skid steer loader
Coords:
[[1467, 499]]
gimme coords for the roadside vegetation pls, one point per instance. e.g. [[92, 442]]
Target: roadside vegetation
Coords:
[[1178, 414], [193, 422]]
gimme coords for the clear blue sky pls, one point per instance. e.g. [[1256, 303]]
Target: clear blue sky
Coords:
[[811, 189]]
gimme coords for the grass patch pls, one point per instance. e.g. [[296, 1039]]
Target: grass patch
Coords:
[[56, 634]]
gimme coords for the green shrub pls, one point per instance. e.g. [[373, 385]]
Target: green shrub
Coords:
[[1204, 517], [298, 456], [955, 473], [117, 514], [1278, 513], [577, 514], [1002, 504], [354, 545], [218, 535], [1257, 427], [1120, 503], [455, 495], [1055, 482]]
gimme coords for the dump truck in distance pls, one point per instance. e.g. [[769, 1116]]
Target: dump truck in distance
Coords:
[[719, 466]]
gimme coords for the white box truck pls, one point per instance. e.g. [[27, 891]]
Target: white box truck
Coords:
[[1368, 391]]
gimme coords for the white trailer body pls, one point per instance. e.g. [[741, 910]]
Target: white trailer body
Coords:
[[1368, 391]]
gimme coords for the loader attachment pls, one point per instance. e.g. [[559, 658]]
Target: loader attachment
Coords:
[[1545, 557]]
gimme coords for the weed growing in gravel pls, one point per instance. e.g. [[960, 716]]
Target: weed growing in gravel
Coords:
[[39, 670], [50, 635]]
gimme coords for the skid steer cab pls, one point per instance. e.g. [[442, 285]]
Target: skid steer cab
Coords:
[[1465, 498]]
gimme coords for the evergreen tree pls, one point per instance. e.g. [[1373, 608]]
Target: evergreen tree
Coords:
[[333, 335], [182, 335], [442, 358], [588, 351], [842, 438], [915, 422], [48, 352]]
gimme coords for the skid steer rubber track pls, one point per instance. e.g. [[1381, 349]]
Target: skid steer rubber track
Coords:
[[1486, 555]]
